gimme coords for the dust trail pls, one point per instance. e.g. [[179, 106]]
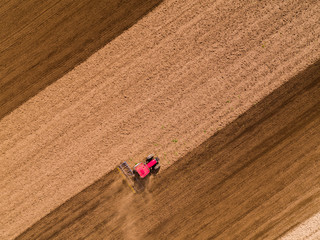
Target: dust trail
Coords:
[[131, 209]]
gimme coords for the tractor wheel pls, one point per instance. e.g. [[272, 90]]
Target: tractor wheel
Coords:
[[156, 169], [136, 174], [149, 158]]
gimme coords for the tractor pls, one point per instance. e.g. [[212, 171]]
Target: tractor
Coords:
[[138, 177]]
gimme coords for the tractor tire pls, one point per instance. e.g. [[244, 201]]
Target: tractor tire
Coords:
[[156, 169], [136, 174], [149, 158]]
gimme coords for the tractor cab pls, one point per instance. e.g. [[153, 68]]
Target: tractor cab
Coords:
[[142, 170]]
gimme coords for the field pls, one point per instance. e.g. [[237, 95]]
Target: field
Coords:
[[227, 93]]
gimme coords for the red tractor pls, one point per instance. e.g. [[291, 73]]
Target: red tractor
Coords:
[[138, 177]]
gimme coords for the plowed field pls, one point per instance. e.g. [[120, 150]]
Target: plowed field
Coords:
[[255, 179], [174, 83]]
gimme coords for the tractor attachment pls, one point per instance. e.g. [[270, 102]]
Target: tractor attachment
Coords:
[[133, 182]]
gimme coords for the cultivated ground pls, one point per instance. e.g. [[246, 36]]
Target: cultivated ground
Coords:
[[42, 41], [166, 85], [255, 179]]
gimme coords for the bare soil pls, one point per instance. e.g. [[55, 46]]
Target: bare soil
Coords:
[[167, 84], [40, 41], [255, 179]]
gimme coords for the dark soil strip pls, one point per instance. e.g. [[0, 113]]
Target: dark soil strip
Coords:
[[40, 41]]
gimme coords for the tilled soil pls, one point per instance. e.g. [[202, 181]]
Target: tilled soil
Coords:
[[255, 179], [40, 41], [167, 84]]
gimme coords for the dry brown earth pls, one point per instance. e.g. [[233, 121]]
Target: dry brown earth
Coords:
[[309, 229], [256, 179], [40, 41], [183, 72]]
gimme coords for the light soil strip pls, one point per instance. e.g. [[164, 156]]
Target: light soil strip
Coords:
[[310, 229]]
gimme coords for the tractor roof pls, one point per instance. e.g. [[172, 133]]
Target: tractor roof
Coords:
[[142, 169]]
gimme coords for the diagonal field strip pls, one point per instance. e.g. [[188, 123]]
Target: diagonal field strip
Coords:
[[42, 41], [254, 179], [310, 229]]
